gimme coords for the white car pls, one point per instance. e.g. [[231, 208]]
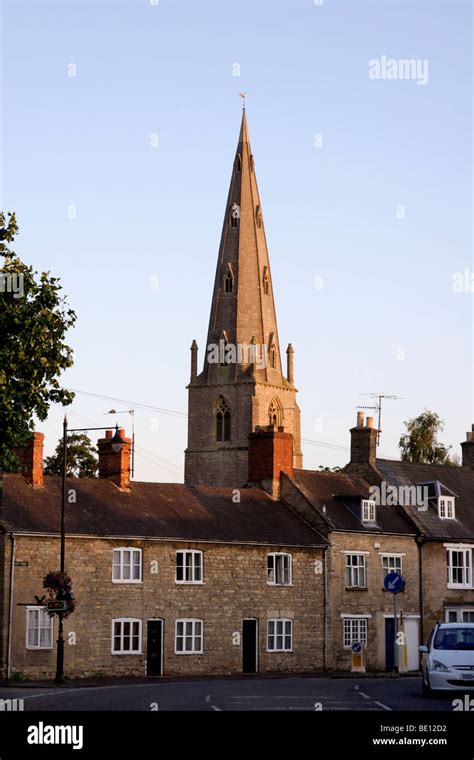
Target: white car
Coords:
[[448, 658]]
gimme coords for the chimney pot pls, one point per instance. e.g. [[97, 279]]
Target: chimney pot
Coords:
[[270, 454], [363, 443], [467, 447], [360, 419], [114, 464], [30, 457]]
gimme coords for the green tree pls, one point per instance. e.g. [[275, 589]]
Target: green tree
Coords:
[[420, 442], [34, 319], [81, 460]]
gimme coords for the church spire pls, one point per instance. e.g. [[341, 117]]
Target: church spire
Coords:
[[243, 306], [242, 386]]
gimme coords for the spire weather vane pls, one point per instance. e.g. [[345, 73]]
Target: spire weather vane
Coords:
[[243, 95]]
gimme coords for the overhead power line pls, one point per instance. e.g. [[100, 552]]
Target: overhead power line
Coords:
[[171, 412], [183, 415]]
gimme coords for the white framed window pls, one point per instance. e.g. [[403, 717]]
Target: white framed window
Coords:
[[127, 565], [189, 566], [355, 571], [446, 507], [279, 569], [391, 563], [39, 628], [368, 510], [126, 636], [460, 615], [280, 635], [459, 568], [355, 629], [189, 636]]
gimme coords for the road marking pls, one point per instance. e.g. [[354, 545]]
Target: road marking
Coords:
[[217, 709], [45, 694], [299, 709], [382, 705], [208, 698], [270, 696], [364, 695]]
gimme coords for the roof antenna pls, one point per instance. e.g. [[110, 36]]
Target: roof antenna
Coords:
[[243, 95], [378, 408]]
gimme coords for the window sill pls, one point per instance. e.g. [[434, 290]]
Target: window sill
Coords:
[[39, 649], [131, 583], [279, 651], [188, 653], [127, 654], [189, 583], [280, 585], [460, 586], [356, 588]]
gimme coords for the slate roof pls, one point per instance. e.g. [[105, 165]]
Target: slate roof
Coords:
[[456, 480], [159, 510], [340, 493]]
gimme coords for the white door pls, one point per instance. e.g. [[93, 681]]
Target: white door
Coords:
[[412, 638]]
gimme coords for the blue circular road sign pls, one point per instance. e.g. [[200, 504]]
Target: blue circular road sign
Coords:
[[357, 647], [394, 582]]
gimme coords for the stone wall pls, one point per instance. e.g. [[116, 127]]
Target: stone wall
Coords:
[[373, 600], [225, 463], [235, 587], [436, 594]]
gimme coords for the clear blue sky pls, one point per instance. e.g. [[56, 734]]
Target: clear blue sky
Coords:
[[330, 212]]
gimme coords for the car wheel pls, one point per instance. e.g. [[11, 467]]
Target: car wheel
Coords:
[[426, 688]]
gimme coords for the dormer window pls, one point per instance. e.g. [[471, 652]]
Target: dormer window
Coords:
[[239, 163], [258, 216], [446, 507], [266, 282], [368, 511]]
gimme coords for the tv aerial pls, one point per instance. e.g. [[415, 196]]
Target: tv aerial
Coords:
[[378, 407]]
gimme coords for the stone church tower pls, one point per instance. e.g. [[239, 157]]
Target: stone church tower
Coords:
[[241, 386]]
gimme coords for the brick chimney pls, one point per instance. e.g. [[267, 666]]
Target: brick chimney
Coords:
[[467, 447], [30, 457], [270, 454], [364, 442], [114, 465]]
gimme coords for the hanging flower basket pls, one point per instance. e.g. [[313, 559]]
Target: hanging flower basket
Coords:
[[59, 588]]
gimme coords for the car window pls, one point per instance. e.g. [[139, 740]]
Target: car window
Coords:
[[454, 638]]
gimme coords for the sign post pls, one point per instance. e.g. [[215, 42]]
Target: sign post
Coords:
[[394, 582], [56, 606], [358, 658]]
